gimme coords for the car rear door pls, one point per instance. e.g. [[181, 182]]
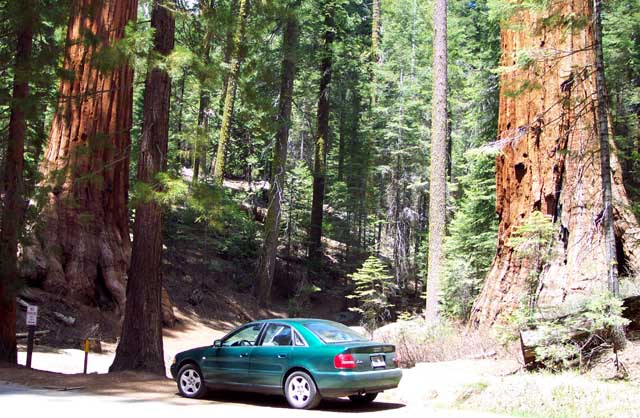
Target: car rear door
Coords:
[[270, 358]]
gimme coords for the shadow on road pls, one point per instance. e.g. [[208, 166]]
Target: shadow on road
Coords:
[[272, 401]]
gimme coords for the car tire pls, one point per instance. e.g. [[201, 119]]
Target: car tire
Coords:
[[364, 399], [301, 391], [191, 382]]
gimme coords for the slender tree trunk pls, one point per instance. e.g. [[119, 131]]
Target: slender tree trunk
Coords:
[[196, 163], [437, 189], [13, 204], [375, 48], [342, 127], [376, 62], [449, 148], [619, 338], [200, 152], [180, 98], [183, 82], [203, 128], [605, 155], [396, 203], [272, 224], [291, 219], [86, 164], [230, 91], [322, 137], [550, 162], [140, 347], [375, 31], [228, 50]]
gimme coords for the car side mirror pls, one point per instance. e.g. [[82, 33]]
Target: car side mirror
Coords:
[[217, 343]]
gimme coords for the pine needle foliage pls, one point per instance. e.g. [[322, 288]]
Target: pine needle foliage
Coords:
[[373, 288], [471, 244]]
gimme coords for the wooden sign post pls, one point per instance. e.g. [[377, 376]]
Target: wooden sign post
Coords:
[[32, 321]]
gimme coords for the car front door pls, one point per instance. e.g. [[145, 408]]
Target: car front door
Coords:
[[230, 364], [270, 358]]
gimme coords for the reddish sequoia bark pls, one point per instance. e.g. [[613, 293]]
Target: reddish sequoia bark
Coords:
[[141, 347], [86, 164], [550, 162], [13, 188]]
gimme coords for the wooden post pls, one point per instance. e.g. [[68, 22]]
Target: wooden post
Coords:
[[32, 320], [31, 331], [86, 354]]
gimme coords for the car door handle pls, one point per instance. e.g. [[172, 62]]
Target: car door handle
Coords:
[[282, 356], [244, 355]]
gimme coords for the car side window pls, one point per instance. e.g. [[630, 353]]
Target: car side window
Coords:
[[298, 341], [277, 335], [243, 337]]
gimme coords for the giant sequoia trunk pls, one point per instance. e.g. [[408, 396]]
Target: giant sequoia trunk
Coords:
[[13, 186], [86, 164], [550, 162], [140, 347]]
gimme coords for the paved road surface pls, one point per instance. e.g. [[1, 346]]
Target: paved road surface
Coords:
[[22, 401]]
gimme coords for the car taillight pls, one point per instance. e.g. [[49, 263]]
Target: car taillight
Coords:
[[344, 361], [396, 359]]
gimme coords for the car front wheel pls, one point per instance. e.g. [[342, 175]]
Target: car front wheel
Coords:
[[363, 399], [190, 382], [301, 391]]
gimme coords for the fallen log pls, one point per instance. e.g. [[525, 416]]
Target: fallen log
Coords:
[[534, 338], [577, 332], [24, 335]]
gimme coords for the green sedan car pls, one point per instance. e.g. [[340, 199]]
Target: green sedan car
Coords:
[[302, 359]]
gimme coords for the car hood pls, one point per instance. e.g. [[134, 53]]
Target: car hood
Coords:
[[192, 352]]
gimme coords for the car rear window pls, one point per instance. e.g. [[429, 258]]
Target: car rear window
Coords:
[[333, 332]]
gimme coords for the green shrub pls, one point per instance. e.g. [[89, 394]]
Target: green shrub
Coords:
[[569, 340], [373, 287], [229, 230], [300, 303], [577, 338]]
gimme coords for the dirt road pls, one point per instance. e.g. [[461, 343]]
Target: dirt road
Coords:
[[28, 401]]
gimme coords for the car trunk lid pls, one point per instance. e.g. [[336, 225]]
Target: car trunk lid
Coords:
[[371, 355]]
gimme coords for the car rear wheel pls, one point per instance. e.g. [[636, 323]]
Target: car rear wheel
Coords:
[[190, 382], [301, 391], [363, 399]]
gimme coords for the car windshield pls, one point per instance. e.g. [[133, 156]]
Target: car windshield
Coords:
[[243, 336], [333, 332]]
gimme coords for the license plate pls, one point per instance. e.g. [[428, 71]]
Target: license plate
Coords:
[[378, 361]]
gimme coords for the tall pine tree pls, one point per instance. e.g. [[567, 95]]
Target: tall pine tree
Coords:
[[140, 347]]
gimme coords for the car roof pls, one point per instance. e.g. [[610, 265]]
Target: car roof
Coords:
[[291, 320]]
